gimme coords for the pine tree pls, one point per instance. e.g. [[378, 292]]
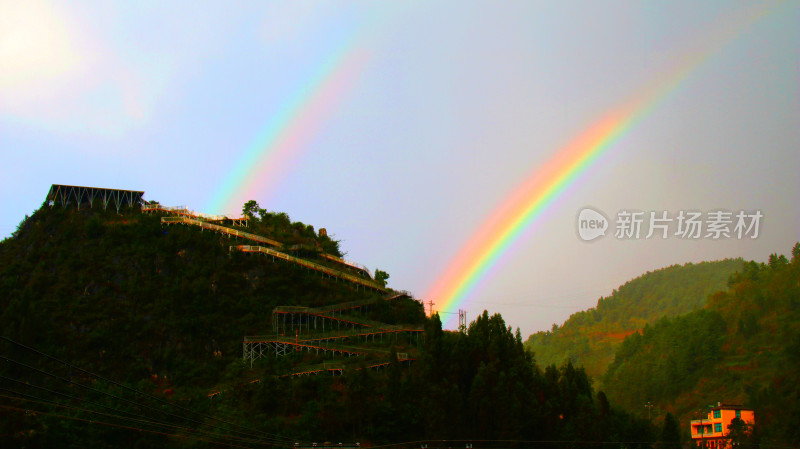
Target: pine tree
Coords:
[[670, 433]]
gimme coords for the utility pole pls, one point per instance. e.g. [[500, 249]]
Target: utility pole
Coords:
[[430, 307], [649, 406], [702, 432], [462, 320]]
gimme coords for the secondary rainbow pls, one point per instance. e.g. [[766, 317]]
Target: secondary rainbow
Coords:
[[287, 133], [547, 183]]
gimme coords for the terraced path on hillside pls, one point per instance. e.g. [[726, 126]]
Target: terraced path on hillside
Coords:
[[332, 330], [186, 217], [318, 330]]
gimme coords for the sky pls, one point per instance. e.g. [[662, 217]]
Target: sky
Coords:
[[410, 129]]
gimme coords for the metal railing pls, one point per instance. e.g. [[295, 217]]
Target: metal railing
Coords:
[[187, 216], [222, 229], [323, 309], [347, 262], [314, 266], [183, 210]]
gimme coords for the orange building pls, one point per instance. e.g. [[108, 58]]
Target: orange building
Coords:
[[713, 430]]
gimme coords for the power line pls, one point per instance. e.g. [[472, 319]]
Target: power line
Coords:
[[137, 417], [93, 389], [272, 437], [574, 297], [39, 387], [91, 421], [450, 443], [37, 400], [277, 437], [258, 440]]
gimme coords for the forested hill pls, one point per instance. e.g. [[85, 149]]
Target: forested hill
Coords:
[[590, 338], [743, 347], [137, 298], [162, 308], [127, 331]]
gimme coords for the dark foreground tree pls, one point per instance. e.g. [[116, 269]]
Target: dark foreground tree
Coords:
[[670, 433]]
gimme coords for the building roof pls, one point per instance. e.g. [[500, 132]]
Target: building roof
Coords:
[[721, 406], [78, 195]]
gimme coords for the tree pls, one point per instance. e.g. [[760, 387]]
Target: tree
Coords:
[[381, 276], [602, 404], [250, 208], [738, 431], [670, 433]]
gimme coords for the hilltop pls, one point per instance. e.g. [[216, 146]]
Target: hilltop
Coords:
[[590, 338]]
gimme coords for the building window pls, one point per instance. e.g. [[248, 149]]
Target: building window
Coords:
[[739, 414], [718, 427], [717, 414]]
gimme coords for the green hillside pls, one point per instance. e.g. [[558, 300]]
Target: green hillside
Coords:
[[130, 330], [591, 337], [179, 295], [743, 347]]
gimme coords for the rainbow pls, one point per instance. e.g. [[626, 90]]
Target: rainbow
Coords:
[[539, 192], [527, 203], [288, 132]]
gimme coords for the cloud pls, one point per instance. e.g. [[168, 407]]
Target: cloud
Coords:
[[38, 54], [34, 45], [63, 74]]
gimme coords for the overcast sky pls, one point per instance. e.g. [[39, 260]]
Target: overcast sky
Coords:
[[408, 123]]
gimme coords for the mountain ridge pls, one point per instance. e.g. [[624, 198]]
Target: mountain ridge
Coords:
[[590, 337]]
